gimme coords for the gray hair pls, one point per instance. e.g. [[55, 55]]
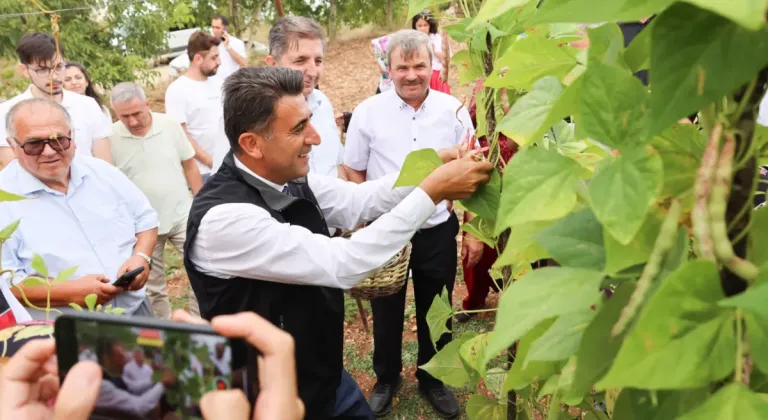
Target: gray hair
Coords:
[[250, 97], [10, 125], [409, 41], [287, 31], [126, 92]]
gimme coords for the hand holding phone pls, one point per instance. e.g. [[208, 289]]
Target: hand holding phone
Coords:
[[126, 279]]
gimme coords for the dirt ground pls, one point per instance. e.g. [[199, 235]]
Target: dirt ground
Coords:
[[351, 75]]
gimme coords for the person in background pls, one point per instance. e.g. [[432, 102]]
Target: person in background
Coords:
[[426, 22], [194, 99], [384, 129], [137, 374], [232, 50], [45, 68], [85, 213], [77, 79], [379, 47], [153, 152]]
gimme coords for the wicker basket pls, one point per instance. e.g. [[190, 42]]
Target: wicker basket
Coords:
[[386, 281]]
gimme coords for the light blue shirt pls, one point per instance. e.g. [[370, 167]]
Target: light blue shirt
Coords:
[[93, 226]]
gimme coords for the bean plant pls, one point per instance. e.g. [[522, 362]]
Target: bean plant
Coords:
[[632, 261]]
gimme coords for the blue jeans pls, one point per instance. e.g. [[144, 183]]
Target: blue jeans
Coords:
[[350, 401]]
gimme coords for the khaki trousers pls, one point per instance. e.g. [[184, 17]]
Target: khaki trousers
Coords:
[[156, 285]]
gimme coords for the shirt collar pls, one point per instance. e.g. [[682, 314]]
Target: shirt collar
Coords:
[[29, 184], [314, 101], [241, 166], [424, 105], [123, 131]]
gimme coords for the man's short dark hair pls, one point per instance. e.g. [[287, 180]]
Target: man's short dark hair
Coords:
[[223, 19], [199, 43], [37, 47], [250, 98]]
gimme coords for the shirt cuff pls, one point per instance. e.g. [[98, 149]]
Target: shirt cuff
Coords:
[[420, 204]]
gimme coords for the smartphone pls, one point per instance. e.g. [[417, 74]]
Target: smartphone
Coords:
[[126, 279], [154, 368]]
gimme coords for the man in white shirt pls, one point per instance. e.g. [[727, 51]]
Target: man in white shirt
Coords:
[[232, 50], [298, 43], [153, 152], [258, 231], [81, 212], [383, 130], [137, 374], [44, 67], [194, 99]]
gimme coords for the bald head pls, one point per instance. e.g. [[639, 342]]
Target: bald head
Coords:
[[35, 108]]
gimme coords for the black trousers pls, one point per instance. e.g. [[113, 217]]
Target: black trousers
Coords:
[[433, 264]]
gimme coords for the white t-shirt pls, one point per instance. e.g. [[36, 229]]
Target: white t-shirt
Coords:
[[437, 46], [198, 105], [88, 120], [228, 64]]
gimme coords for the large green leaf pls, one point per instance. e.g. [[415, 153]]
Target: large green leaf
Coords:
[[596, 11], [575, 241], [752, 301], [458, 31], [480, 229], [417, 166], [732, 402], [469, 68], [758, 240], [485, 201], [539, 295], [682, 339], [6, 196], [447, 366], [528, 60], [680, 148], [472, 352], [606, 45], [623, 191], [636, 404], [437, 316], [614, 106], [546, 192], [492, 9], [416, 6], [523, 374], [561, 339], [747, 13], [598, 348], [619, 257], [529, 113], [480, 407], [7, 231], [522, 246], [698, 57], [638, 53]]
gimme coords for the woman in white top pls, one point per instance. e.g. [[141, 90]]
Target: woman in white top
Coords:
[[426, 22], [76, 79]]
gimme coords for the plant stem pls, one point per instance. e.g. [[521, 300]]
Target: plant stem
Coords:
[[554, 406], [476, 311], [24, 298], [737, 378], [48, 302]]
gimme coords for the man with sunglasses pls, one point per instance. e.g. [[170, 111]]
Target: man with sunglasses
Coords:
[[81, 212], [44, 67]]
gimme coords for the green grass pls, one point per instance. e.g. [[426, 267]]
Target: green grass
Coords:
[[172, 260], [358, 364]]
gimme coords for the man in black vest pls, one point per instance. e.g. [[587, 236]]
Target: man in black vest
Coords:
[[257, 238]]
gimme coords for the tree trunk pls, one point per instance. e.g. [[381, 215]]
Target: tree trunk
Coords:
[[389, 15], [279, 7], [332, 20], [235, 22]]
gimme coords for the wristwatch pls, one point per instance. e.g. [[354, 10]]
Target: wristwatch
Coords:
[[146, 257]]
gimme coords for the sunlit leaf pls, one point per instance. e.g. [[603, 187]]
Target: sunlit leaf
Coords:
[[65, 274], [437, 316], [90, 301], [485, 201], [417, 166], [528, 60], [39, 265], [8, 230]]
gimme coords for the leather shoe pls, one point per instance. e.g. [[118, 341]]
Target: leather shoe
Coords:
[[382, 395], [442, 400]]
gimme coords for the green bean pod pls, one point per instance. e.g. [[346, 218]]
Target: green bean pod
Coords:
[[664, 242], [702, 190]]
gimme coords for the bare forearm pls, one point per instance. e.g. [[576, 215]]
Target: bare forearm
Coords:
[[102, 150], [145, 241], [61, 295], [342, 172], [192, 174], [355, 176], [239, 59], [200, 154]]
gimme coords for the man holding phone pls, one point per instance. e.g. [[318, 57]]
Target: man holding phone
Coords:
[[258, 238], [81, 212], [231, 51]]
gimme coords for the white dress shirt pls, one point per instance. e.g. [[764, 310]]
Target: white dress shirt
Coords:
[[240, 239], [93, 226], [324, 158], [228, 64], [384, 129], [137, 378], [113, 397], [88, 120]]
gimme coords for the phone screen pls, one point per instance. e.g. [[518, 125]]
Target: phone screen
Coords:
[[153, 372]]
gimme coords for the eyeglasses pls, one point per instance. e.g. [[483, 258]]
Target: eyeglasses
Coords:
[[46, 71], [35, 147]]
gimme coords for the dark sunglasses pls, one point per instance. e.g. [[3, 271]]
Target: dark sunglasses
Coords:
[[36, 147]]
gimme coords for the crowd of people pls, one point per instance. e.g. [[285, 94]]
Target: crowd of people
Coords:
[[246, 176]]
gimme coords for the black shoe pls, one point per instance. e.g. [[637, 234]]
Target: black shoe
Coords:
[[463, 317], [382, 395], [442, 400]]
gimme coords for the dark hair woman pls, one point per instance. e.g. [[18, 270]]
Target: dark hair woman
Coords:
[[76, 79], [426, 22]]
